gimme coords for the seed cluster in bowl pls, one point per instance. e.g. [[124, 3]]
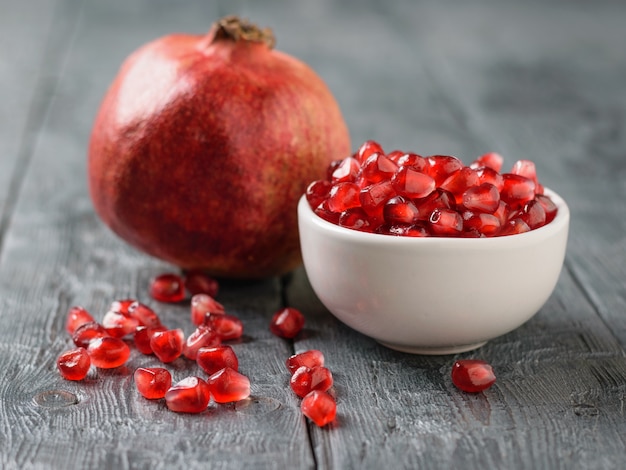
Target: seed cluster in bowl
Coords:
[[405, 194]]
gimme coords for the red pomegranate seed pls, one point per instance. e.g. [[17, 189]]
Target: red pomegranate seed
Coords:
[[373, 198], [355, 218], [481, 223], [118, 324], [502, 212], [317, 192], [306, 379], [142, 337], [438, 199], [74, 364], [212, 360], [144, 315], [517, 190], [203, 336], [533, 214], [152, 382], [513, 227], [77, 316], [346, 172], [525, 168], [88, 332], [310, 358], [413, 160], [368, 148], [412, 183], [377, 168], [482, 198], [489, 175], [167, 345], [190, 395], [228, 385], [446, 222], [199, 282], [203, 304], [167, 287], [287, 322], [548, 206], [332, 166], [441, 166], [491, 160], [319, 407], [416, 230], [343, 196], [122, 306], [227, 327], [108, 352], [472, 375], [325, 213], [459, 182], [399, 210]]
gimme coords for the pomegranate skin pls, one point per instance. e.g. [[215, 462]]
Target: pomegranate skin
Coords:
[[202, 147]]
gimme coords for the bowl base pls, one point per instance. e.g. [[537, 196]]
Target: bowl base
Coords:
[[436, 351]]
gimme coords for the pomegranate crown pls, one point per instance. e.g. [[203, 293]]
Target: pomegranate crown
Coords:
[[234, 28]]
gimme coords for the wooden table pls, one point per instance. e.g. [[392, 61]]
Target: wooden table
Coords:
[[538, 80]]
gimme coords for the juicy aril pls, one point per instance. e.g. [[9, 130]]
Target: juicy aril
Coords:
[[203, 145]]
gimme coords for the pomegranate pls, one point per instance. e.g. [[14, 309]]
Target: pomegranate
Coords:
[[472, 375], [203, 145]]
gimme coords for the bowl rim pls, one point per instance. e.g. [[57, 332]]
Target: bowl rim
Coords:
[[560, 222]]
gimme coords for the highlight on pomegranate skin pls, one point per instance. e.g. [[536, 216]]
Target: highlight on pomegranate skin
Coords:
[[406, 194], [472, 375]]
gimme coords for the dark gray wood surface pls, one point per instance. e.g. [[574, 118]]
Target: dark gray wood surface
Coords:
[[538, 80]]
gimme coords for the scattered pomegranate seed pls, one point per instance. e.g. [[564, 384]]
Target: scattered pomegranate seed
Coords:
[[190, 395], [167, 287], [203, 336], [118, 324], [311, 358], [211, 360], [108, 352], [199, 282], [152, 382], [203, 304], [227, 385], [472, 375], [305, 379], [74, 364], [77, 316], [88, 332], [287, 322], [319, 407], [122, 306], [227, 327], [144, 315], [167, 345], [143, 335]]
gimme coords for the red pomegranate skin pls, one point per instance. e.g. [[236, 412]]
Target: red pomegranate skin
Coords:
[[202, 147]]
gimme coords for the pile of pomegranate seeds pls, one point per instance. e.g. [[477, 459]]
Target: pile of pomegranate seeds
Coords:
[[311, 381], [472, 375], [405, 194]]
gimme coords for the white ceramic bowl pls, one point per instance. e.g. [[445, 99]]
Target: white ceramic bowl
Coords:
[[432, 295]]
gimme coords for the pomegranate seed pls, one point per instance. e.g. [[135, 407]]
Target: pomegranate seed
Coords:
[[525, 168], [356, 219], [534, 214], [122, 306], [412, 183], [482, 198], [373, 198], [118, 324], [416, 230], [310, 358], [517, 190], [142, 337], [399, 210], [459, 182], [491, 160], [346, 172], [74, 364], [319, 407], [332, 166], [88, 332], [152, 382], [167, 287], [228, 385], [203, 336], [317, 192], [144, 315], [77, 316], [441, 166], [414, 161], [167, 345], [287, 322], [368, 148], [211, 360], [514, 227], [203, 304], [199, 282], [108, 352], [343, 196], [325, 213], [548, 206], [489, 175], [227, 327], [377, 168], [306, 379], [438, 199], [446, 222], [472, 375], [190, 395], [483, 224], [502, 212]]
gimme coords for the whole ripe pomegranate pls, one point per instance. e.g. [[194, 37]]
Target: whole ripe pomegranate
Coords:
[[203, 145]]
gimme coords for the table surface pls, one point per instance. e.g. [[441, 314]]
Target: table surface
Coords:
[[539, 80]]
